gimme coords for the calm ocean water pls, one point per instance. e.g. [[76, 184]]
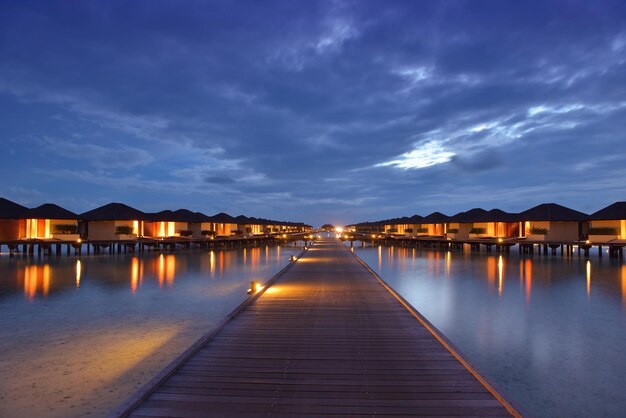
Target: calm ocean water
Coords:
[[79, 335], [549, 331]]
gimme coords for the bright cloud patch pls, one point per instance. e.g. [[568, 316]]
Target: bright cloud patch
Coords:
[[430, 153]]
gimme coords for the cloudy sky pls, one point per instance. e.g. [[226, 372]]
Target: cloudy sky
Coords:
[[315, 111]]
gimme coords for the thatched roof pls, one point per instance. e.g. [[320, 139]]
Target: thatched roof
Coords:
[[11, 210], [616, 211], [416, 219], [223, 218], [551, 212], [436, 218], [113, 212], [242, 220], [51, 211], [472, 215], [181, 215], [482, 215]]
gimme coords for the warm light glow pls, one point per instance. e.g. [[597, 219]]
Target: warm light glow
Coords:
[[339, 230], [588, 278], [255, 286], [528, 278], [166, 229], [35, 278], [500, 240], [79, 269], [500, 275], [38, 228], [166, 269], [136, 227], [212, 264], [134, 275], [272, 290]]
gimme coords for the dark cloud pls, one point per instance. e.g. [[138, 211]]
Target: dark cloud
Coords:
[[322, 111], [482, 161], [219, 180]]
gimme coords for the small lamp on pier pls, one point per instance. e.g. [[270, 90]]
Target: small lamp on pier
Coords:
[[292, 258], [255, 286]]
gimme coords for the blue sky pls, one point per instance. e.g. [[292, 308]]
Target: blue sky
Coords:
[[314, 111]]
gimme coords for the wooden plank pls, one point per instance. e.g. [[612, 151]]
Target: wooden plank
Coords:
[[327, 338]]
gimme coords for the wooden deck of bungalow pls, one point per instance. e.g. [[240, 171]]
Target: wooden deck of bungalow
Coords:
[[325, 337]]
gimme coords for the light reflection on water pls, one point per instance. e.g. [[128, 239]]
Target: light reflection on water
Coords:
[[80, 334], [548, 330]]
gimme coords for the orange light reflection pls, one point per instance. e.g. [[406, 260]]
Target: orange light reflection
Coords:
[[500, 275], [35, 278], [528, 278], [134, 275], [79, 269], [588, 270]]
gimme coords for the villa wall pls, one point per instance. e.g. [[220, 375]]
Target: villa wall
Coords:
[[12, 229], [105, 230], [618, 225], [557, 231], [463, 228]]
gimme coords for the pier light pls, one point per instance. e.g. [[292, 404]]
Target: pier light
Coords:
[[339, 230], [292, 258], [500, 240], [255, 286], [587, 242], [79, 240], [284, 235]]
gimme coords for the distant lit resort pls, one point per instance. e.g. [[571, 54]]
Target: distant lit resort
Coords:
[[546, 226], [118, 227]]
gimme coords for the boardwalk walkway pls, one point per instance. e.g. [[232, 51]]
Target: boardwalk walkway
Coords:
[[327, 338]]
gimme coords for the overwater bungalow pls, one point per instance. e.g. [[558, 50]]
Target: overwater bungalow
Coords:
[[294, 227], [433, 225], [222, 225], [367, 227], [399, 226], [249, 226], [480, 223], [12, 220], [552, 222], [112, 222], [50, 221], [168, 224], [608, 224]]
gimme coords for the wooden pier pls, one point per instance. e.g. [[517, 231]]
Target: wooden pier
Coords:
[[327, 337]]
